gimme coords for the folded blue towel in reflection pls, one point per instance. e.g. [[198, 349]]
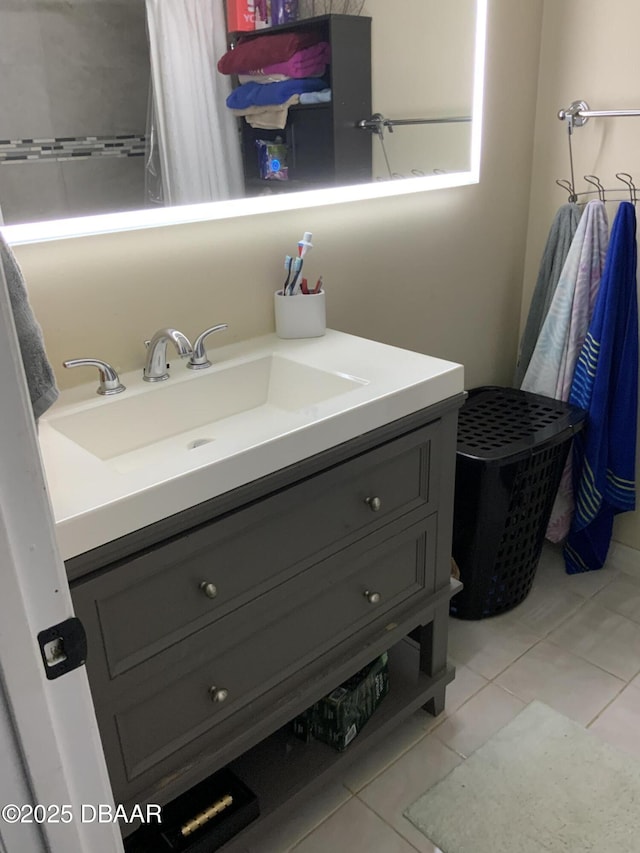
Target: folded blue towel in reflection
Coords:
[[40, 379], [269, 94]]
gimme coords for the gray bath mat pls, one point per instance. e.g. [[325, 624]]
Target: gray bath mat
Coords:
[[542, 784]]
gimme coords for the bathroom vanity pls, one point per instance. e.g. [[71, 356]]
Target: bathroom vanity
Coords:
[[227, 585]]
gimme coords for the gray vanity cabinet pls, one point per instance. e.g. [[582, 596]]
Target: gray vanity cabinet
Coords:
[[210, 630]]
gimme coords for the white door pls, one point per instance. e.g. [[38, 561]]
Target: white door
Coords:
[[50, 750]]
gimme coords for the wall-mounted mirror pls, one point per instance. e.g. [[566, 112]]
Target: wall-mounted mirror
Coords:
[[78, 137]]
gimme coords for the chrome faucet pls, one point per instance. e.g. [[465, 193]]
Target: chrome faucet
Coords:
[[155, 369]]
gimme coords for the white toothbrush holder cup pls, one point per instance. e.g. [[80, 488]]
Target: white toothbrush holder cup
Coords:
[[300, 316]]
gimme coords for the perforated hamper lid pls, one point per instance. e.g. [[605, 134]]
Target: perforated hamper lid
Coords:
[[504, 424]]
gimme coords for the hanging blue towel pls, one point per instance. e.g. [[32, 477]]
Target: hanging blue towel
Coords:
[[605, 383]]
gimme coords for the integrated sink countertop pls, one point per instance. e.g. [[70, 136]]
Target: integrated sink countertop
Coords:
[[117, 464]]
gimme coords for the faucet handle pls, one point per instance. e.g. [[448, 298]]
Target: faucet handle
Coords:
[[109, 379], [199, 358]]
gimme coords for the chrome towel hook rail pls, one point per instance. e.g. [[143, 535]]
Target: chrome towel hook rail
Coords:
[[377, 124], [577, 114]]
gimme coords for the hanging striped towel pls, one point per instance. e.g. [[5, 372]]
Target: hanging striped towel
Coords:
[[606, 385], [561, 233], [554, 358]]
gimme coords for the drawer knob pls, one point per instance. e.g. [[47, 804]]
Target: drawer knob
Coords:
[[209, 589], [374, 504], [373, 597], [218, 694]]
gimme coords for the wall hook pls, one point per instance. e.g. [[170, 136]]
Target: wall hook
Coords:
[[595, 181], [626, 178], [568, 186]]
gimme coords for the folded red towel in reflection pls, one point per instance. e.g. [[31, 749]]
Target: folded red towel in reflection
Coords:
[[253, 53], [307, 62]]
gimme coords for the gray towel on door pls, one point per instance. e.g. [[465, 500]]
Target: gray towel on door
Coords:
[[563, 229], [40, 379]]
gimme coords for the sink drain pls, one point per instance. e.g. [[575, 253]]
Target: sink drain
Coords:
[[198, 443]]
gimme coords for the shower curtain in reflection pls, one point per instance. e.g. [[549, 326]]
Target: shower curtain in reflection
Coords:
[[194, 137]]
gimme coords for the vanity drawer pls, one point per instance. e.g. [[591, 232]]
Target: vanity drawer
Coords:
[[171, 703], [144, 605]]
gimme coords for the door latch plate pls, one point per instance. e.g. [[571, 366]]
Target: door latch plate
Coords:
[[63, 647]]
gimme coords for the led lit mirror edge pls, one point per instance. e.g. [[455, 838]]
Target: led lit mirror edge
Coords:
[[59, 229]]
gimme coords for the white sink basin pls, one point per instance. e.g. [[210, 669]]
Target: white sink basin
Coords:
[[163, 410], [116, 464]]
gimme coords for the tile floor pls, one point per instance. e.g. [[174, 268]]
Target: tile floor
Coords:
[[574, 644]]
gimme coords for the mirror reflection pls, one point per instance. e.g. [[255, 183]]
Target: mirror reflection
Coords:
[[103, 110]]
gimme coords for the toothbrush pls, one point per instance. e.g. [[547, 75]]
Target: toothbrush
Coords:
[[288, 262], [297, 267]]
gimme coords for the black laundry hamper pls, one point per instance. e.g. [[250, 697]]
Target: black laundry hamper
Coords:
[[512, 448]]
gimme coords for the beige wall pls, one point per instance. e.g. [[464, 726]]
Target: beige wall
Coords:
[[437, 272], [585, 55]]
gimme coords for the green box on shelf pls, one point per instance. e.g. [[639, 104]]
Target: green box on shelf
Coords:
[[337, 718]]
